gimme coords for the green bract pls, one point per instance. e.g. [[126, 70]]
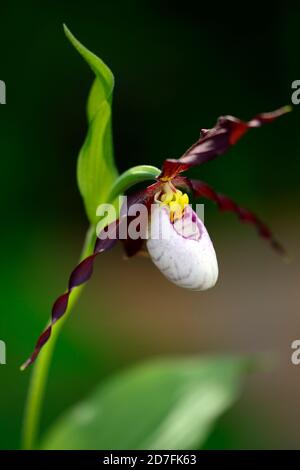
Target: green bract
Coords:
[[96, 171]]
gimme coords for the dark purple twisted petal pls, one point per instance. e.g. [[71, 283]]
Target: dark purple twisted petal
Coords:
[[84, 269], [82, 272], [60, 306], [40, 343], [202, 189], [112, 235], [216, 141], [79, 276], [225, 204]]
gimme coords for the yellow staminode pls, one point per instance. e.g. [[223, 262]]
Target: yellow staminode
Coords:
[[175, 200]]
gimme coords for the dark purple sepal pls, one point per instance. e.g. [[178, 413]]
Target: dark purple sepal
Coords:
[[171, 168], [216, 141]]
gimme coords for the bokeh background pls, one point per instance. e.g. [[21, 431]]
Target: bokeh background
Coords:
[[178, 66]]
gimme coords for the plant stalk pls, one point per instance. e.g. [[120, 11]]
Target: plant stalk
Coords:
[[38, 379]]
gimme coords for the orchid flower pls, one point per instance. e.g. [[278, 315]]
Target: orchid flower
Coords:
[[186, 256]]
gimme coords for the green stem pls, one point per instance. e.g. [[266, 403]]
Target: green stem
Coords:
[[40, 371], [133, 176]]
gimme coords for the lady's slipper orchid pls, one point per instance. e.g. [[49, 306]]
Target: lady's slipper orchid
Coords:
[[184, 254], [182, 250]]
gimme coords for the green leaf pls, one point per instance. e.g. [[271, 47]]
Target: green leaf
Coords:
[[96, 171], [162, 404]]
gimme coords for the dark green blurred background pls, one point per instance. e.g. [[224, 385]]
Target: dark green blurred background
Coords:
[[178, 66]]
